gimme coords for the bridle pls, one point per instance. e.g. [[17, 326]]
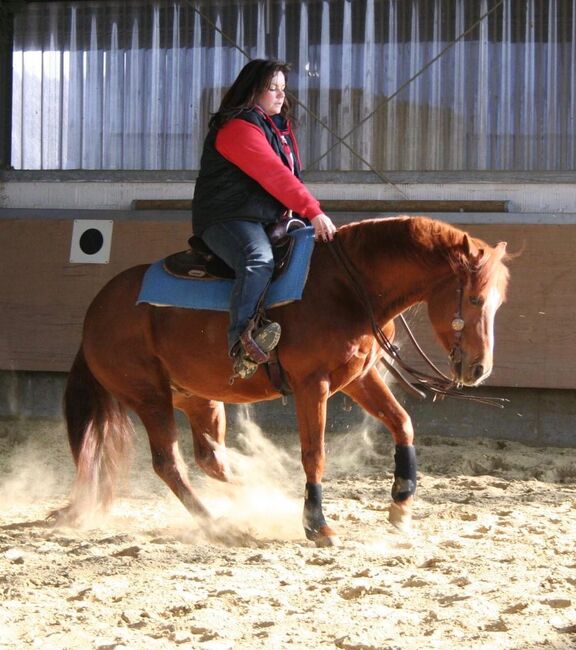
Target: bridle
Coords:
[[415, 381], [457, 325]]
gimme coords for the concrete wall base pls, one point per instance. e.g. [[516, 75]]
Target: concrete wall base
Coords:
[[543, 417]]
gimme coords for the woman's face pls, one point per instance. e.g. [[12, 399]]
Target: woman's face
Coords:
[[272, 99]]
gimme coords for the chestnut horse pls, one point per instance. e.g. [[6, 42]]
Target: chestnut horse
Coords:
[[154, 359]]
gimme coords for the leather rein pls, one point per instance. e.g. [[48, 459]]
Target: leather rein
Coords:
[[416, 382]]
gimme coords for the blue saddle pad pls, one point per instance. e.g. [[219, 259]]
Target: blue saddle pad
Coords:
[[163, 289]]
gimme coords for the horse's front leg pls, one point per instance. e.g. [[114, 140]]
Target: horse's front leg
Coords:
[[372, 394], [310, 400]]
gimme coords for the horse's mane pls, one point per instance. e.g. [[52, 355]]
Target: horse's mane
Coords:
[[427, 242]]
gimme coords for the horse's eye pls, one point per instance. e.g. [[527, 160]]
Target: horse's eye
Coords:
[[476, 300]]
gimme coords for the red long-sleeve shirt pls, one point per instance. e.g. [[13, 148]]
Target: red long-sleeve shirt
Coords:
[[246, 146]]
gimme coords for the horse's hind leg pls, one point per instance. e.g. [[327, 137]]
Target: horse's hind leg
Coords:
[[157, 415], [208, 423]]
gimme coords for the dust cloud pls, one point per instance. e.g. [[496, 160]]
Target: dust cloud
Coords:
[[264, 496], [33, 463]]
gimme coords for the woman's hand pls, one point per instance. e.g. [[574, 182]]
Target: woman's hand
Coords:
[[324, 229]]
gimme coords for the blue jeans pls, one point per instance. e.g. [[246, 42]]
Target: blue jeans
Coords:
[[245, 247]]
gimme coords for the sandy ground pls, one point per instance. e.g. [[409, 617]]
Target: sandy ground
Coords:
[[491, 563]]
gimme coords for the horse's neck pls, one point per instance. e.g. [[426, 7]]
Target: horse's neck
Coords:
[[393, 281]]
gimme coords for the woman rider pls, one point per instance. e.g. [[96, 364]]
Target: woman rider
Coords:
[[250, 178]]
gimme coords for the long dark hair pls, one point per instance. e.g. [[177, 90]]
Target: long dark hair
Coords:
[[254, 79]]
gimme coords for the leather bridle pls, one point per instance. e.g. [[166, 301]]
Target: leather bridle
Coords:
[[457, 326], [413, 380]]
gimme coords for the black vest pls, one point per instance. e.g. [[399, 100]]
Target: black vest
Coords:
[[224, 192]]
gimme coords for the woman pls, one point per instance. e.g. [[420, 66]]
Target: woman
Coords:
[[250, 178]]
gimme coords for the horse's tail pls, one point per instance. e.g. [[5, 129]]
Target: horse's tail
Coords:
[[99, 433]]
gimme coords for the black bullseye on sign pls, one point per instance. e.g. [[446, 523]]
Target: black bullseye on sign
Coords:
[[91, 241]]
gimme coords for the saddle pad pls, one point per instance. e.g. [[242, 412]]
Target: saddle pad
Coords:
[[162, 289]]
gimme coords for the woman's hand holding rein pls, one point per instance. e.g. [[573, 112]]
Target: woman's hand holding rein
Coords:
[[324, 229]]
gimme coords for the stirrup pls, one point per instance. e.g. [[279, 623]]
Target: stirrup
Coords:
[[259, 346]]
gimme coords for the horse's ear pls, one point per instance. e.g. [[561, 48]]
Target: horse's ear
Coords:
[[501, 247], [472, 254], [470, 248]]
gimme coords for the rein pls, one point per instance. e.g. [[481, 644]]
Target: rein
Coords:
[[413, 380]]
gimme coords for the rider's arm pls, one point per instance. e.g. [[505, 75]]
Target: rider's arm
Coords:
[[245, 145]]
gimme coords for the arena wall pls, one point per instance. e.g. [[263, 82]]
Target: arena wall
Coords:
[[44, 296]]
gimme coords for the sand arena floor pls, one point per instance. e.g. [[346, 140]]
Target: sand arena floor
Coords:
[[491, 563]]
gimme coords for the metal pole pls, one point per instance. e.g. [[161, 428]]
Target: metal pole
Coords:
[[6, 44]]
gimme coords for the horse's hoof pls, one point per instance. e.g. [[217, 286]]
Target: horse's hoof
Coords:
[[66, 516], [328, 542], [400, 518], [324, 537]]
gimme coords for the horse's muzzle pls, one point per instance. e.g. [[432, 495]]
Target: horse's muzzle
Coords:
[[471, 374]]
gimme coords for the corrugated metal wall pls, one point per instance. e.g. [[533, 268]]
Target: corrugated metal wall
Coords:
[[404, 84]]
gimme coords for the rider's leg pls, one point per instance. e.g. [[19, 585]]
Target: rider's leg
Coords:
[[245, 247]]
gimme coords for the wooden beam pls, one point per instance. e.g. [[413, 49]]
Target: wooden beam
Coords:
[[162, 204], [405, 206], [354, 205]]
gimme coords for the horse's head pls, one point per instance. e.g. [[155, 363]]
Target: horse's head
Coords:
[[462, 308]]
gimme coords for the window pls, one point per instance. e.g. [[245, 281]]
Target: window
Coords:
[[380, 84]]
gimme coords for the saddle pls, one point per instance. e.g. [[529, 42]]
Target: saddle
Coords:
[[199, 262]]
